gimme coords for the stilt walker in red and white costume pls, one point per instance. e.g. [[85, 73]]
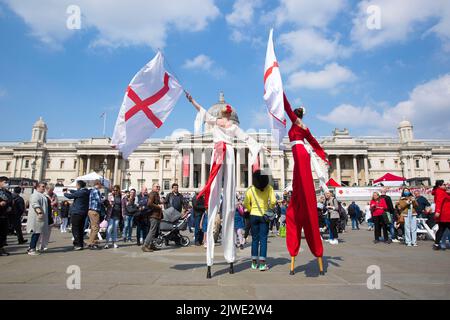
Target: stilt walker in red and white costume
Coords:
[[302, 209], [222, 167]]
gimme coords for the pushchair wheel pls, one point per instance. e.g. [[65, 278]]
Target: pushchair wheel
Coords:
[[185, 241], [159, 243]]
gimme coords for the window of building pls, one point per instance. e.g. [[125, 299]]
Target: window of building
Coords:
[[156, 164], [27, 164], [48, 164], [438, 167], [61, 164], [60, 182], [167, 164], [382, 163], [75, 162], [417, 164], [166, 184], [276, 184], [396, 163], [8, 165], [142, 164]]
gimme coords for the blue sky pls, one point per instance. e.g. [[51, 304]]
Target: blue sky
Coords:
[[346, 74]]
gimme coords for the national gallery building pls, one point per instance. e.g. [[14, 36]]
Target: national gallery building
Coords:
[[185, 159]]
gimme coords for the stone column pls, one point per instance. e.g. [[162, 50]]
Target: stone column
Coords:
[[88, 167], [161, 164], [366, 169], [413, 172], [355, 170], [431, 167], [20, 166], [116, 167], [338, 169], [283, 174], [191, 168], [425, 166], [13, 173], [238, 168], [203, 171], [77, 167], [250, 172]]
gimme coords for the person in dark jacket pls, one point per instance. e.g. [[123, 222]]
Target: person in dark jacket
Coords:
[[65, 207], [19, 210], [155, 214], [423, 205], [6, 208], [391, 210], [174, 199], [199, 209], [354, 212], [141, 217], [78, 212]]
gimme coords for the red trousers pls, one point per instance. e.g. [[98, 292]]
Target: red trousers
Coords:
[[302, 209]]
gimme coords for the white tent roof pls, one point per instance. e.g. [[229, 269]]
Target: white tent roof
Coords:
[[93, 176]]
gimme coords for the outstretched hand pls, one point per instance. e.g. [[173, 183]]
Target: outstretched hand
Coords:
[[188, 96]]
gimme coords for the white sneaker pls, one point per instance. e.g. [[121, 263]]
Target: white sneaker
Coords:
[[334, 242], [115, 246], [395, 240], [33, 253]]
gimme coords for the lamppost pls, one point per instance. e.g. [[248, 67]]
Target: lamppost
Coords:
[[402, 165], [128, 180], [104, 168]]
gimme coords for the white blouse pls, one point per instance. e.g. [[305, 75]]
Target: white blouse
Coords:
[[227, 134]]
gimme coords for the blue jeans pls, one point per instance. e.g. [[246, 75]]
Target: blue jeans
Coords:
[[260, 230], [128, 227], [370, 223], [111, 234], [34, 240], [86, 223], [198, 235], [327, 222], [411, 229], [141, 232], [355, 223], [444, 239]]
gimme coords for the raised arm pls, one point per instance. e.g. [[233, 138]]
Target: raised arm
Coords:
[[205, 116], [288, 109], [316, 146]]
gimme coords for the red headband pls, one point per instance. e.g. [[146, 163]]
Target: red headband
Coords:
[[228, 109]]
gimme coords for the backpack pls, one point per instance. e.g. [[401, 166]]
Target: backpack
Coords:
[[342, 212]]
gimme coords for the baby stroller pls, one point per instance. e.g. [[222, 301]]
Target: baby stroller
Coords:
[[169, 229]]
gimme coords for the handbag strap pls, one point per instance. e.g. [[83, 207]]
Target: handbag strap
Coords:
[[256, 200]]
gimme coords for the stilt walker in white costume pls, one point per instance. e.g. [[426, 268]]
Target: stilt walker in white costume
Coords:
[[222, 167]]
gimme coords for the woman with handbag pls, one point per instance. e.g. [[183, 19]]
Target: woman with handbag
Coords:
[[378, 207], [407, 207], [259, 201]]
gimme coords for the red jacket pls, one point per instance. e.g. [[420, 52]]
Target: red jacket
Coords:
[[378, 207], [442, 201]]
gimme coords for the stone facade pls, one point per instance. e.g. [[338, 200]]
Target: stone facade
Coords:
[[355, 160]]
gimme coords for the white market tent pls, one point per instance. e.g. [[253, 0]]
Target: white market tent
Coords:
[[91, 177]]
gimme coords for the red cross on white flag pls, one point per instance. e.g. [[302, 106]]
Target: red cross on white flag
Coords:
[[148, 101], [273, 93]]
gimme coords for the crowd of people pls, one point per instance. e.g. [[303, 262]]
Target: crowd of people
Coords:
[[90, 212]]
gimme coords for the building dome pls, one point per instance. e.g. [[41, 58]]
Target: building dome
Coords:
[[40, 124], [39, 132], [405, 124], [217, 108]]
